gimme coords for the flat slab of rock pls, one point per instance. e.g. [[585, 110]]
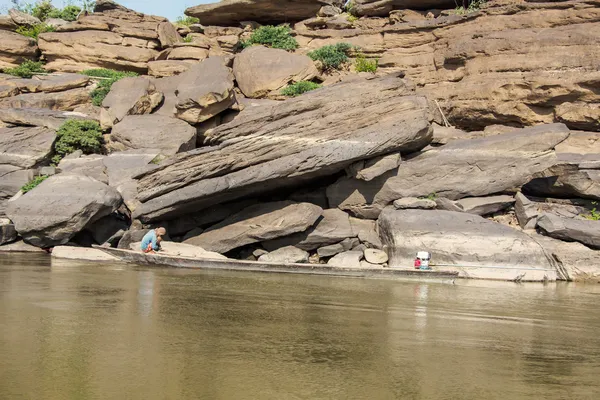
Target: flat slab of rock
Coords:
[[41, 117], [91, 165], [260, 70], [20, 247], [170, 135], [25, 147], [81, 253], [458, 239], [347, 259], [526, 211], [485, 205], [285, 255], [381, 8], [333, 249], [368, 170], [60, 207], [258, 223], [375, 256], [571, 230], [272, 146], [414, 202], [232, 12], [574, 261], [366, 232], [183, 250], [12, 178]]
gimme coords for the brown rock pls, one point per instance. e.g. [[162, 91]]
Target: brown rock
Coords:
[[15, 49], [168, 35], [63, 101], [168, 67]]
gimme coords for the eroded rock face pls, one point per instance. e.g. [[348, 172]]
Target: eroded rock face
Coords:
[[232, 12], [25, 147], [12, 178], [381, 8], [15, 49], [571, 230], [260, 70], [272, 146], [456, 239], [60, 207], [256, 223]]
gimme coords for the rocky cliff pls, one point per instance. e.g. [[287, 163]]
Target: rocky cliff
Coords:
[[479, 127]]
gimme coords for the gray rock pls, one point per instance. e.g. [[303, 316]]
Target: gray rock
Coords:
[[170, 135], [259, 252], [311, 195], [108, 229], [413, 202], [566, 180], [7, 23], [445, 204], [8, 232], [285, 255], [39, 117], [66, 100], [366, 264], [332, 227], [370, 169], [168, 35], [21, 18], [124, 165], [571, 230], [260, 70], [365, 230], [329, 11], [132, 236], [50, 83], [20, 247], [258, 223], [526, 211], [347, 259], [271, 147], [25, 147], [443, 135], [55, 22], [91, 165], [193, 233], [459, 239], [60, 207], [129, 96], [375, 256], [206, 89], [333, 249], [381, 8], [48, 171], [11, 180], [485, 205], [573, 261]]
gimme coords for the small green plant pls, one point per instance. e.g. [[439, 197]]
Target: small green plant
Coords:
[[277, 37], [35, 30], [32, 184], [362, 64], [473, 6], [69, 13], [76, 135], [351, 18], [110, 77], [332, 56], [430, 196], [186, 21], [594, 214], [188, 39], [351, 8], [26, 69], [299, 88]]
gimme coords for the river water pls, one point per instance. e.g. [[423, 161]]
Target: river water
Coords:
[[71, 330]]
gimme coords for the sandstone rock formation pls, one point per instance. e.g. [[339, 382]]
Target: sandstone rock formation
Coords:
[[129, 96], [25, 147], [381, 8], [571, 230], [15, 49]]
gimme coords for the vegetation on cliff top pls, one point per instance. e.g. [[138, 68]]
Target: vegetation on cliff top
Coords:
[[32, 184], [26, 69], [44, 9], [104, 85], [299, 88], [362, 64], [186, 21], [76, 135], [332, 56], [474, 5], [277, 37], [35, 30]]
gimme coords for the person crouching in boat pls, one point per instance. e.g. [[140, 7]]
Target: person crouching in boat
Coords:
[[152, 239]]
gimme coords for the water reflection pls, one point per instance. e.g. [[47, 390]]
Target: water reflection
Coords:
[[75, 330]]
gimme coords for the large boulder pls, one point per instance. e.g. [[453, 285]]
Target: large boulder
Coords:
[[205, 90], [66, 100], [90, 165], [462, 168], [347, 259], [15, 49], [258, 223], [485, 205], [260, 70], [25, 147], [8, 233], [22, 18], [129, 96], [457, 239], [272, 146], [47, 83], [573, 261], [170, 135], [232, 12], [570, 229], [60, 207], [12, 178]]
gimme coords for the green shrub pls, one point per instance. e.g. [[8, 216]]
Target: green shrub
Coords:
[[41, 9], [33, 183], [35, 30], [351, 18], [331, 56], [110, 76], [188, 39], [298, 88], [277, 37], [76, 135], [362, 64], [69, 13], [26, 69], [186, 21]]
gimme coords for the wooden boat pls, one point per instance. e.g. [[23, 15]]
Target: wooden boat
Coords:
[[138, 257]]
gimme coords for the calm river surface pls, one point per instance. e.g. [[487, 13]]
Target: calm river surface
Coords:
[[71, 330]]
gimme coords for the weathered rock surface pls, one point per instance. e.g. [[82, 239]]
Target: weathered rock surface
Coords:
[[381, 8], [165, 68], [183, 250], [368, 170], [25, 147], [347, 259], [573, 261], [271, 146], [366, 232], [46, 83], [15, 49], [526, 211], [375, 256], [205, 90], [257, 223], [59, 207], [232, 12], [129, 96], [170, 135], [414, 202], [260, 70], [332, 227], [8, 232], [12, 178], [44, 118], [485, 205], [571, 230], [67, 100], [91, 165], [459, 239], [285, 255], [20, 247], [81, 253]]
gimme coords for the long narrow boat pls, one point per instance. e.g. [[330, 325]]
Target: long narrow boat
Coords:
[[137, 257]]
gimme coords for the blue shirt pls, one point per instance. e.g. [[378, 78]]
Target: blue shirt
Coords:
[[150, 237]]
